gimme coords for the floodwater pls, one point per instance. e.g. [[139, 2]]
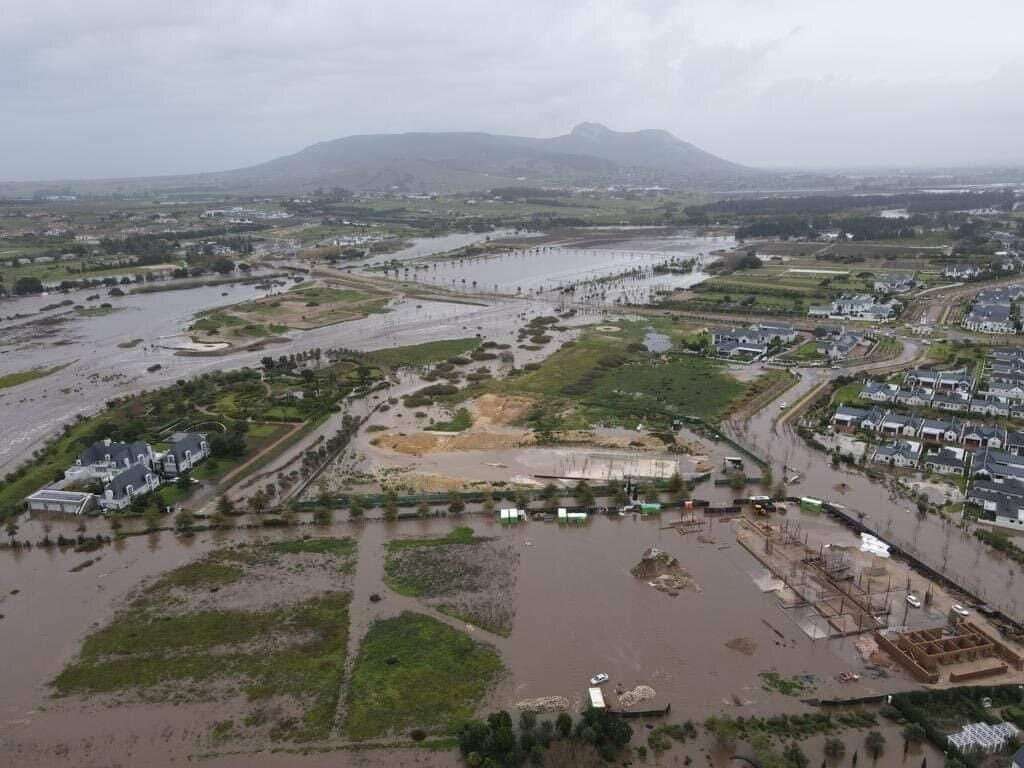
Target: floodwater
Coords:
[[578, 612], [943, 546], [428, 246], [99, 370], [623, 272]]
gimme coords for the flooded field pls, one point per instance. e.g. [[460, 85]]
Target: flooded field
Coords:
[[617, 272], [578, 610]]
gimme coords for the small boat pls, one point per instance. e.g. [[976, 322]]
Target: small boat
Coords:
[[599, 678]]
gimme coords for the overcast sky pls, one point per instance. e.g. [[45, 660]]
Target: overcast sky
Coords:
[[100, 88]]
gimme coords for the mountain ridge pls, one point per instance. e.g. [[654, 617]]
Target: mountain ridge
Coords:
[[591, 154]]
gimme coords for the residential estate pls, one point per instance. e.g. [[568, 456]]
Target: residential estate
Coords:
[[108, 475]]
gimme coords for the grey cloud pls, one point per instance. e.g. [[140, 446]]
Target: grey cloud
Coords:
[[113, 87]]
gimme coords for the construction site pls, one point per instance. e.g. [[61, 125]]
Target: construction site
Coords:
[[849, 598], [962, 650], [842, 590]]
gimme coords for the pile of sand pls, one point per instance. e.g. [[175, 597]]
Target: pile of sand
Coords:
[[544, 704], [634, 696], [421, 443], [500, 409]]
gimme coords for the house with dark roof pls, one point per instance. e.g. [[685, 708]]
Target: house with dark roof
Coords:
[[997, 465], [878, 391], [983, 436], [946, 461], [848, 419], [185, 450], [940, 431], [104, 459], [137, 480], [900, 453]]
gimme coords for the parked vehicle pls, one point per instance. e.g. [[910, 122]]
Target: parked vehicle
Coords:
[[959, 610], [913, 602], [599, 678]]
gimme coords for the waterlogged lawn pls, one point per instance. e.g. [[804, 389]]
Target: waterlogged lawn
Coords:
[[164, 649], [462, 575], [21, 377], [461, 535], [423, 354], [415, 672]]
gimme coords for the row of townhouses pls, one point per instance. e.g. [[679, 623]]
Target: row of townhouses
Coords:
[[122, 470]]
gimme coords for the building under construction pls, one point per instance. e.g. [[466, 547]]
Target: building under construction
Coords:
[[850, 600], [965, 649]]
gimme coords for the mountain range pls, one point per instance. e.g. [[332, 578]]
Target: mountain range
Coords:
[[590, 155]]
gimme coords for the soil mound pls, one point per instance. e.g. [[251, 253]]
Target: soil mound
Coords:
[[663, 572], [634, 696], [544, 704]]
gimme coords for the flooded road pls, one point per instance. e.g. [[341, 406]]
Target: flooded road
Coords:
[[943, 546]]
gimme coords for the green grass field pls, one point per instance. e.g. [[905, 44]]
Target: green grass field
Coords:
[[422, 354], [412, 671], [21, 377], [610, 378]]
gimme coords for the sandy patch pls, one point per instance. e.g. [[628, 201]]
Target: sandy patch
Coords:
[[421, 443], [608, 328], [500, 409]]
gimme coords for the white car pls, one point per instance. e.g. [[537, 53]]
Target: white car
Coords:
[[782, 406], [959, 610], [599, 678], [913, 602]]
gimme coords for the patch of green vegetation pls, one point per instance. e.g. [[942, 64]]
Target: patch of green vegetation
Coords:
[[21, 377], [344, 547], [787, 686], [293, 650], [798, 727], [235, 401], [458, 423], [414, 671], [143, 650], [212, 322], [422, 354], [614, 380], [847, 394], [461, 535], [203, 573], [805, 353]]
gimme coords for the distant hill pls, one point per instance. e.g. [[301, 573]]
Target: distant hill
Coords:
[[590, 154], [421, 162]]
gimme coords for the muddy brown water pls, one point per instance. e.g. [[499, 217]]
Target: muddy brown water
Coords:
[[579, 612], [943, 546]]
